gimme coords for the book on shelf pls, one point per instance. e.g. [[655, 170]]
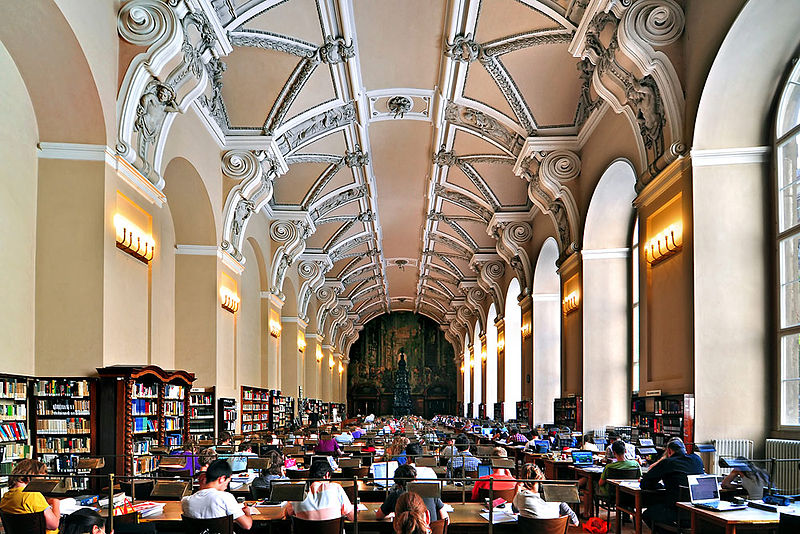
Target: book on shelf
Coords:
[[13, 431], [70, 425], [61, 388], [14, 388]]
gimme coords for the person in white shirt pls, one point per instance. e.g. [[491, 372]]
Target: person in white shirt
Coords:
[[212, 501], [531, 505], [630, 448]]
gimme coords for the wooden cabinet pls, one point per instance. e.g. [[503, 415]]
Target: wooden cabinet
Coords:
[[568, 412], [662, 417]]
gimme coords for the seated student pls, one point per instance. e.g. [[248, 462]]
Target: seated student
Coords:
[[18, 501], [413, 450], [397, 450], [212, 501], [671, 469], [345, 438], [327, 445], [449, 449], [275, 471], [630, 449], [503, 479], [588, 444], [239, 460], [402, 476], [369, 446], [83, 521], [752, 479], [531, 505], [205, 458], [602, 488], [225, 439], [463, 460], [189, 452], [325, 499], [516, 437], [411, 515]]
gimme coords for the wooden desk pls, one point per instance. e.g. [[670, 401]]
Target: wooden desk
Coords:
[[750, 519], [172, 512], [592, 474], [640, 498], [557, 469]]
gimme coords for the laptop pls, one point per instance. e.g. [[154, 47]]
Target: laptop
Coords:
[[704, 493], [582, 458], [542, 446], [383, 473], [484, 470]]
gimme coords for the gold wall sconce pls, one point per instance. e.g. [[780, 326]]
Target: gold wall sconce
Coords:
[[229, 299], [526, 331], [570, 303], [274, 328], [133, 240], [665, 243], [331, 361], [319, 354], [501, 344], [301, 342]]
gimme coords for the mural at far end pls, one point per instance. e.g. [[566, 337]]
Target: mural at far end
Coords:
[[374, 356]]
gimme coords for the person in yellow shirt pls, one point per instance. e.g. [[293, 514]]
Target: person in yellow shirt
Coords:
[[17, 501]]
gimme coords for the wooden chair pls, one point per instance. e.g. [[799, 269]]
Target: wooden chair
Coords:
[[24, 523], [684, 521], [218, 525], [297, 474], [331, 526], [609, 503], [359, 472], [129, 524], [439, 527], [557, 525], [505, 494]]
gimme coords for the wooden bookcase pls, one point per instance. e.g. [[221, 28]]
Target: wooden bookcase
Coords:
[[525, 412], [499, 414], [281, 410], [64, 421], [141, 407], [568, 411], [313, 406], [255, 410], [663, 417], [228, 415], [14, 429], [202, 419], [482, 410]]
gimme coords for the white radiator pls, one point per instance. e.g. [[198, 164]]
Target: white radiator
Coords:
[[728, 448], [786, 476]]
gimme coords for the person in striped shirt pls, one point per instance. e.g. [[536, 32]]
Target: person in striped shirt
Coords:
[[325, 499], [517, 437]]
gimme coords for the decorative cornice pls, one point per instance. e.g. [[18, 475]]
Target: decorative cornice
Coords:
[[605, 254], [730, 156]]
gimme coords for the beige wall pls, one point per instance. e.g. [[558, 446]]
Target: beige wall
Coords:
[[18, 184]]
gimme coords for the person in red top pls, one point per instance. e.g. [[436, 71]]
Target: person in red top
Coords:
[[369, 446], [502, 477]]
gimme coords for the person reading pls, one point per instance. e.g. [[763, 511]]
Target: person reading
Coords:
[[413, 450], [18, 501], [402, 476], [325, 499], [530, 504], [749, 477], [205, 458], [213, 501], [327, 445], [671, 469], [275, 471], [411, 515], [602, 488], [238, 461], [503, 480]]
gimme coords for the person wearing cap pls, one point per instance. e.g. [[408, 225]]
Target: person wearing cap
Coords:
[[671, 470]]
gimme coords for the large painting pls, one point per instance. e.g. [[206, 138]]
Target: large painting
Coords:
[[429, 356]]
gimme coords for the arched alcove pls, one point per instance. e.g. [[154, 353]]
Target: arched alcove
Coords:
[[477, 375], [605, 298], [491, 360], [513, 350], [546, 332], [292, 363]]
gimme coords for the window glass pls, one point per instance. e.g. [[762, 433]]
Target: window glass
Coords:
[[788, 182], [790, 383], [790, 280], [635, 307], [789, 104]]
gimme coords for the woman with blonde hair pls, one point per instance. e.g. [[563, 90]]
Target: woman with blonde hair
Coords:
[[411, 516], [18, 501], [530, 504], [397, 450]]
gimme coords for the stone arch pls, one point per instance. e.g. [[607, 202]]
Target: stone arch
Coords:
[[190, 204], [546, 332], [609, 216]]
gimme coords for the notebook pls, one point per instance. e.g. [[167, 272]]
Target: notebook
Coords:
[[704, 493]]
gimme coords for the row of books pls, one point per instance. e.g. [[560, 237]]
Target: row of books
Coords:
[[254, 407], [200, 399], [144, 407], [13, 412], [246, 417], [15, 431], [257, 427], [71, 425], [60, 463], [173, 440], [144, 464], [201, 412], [61, 388], [173, 424], [59, 445], [14, 451], [173, 408], [144, 424], [173, 392], [63, 407], [144, 391], [142, 446], [11, 388], [249, 394]]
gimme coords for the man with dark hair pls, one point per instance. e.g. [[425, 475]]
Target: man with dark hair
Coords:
[[449, 449], [630, 449], [413, 450], [212, 501], [402, 476], [602, 488], [239, 460], [325, 499], [463, 460], [671, 469], [516, 437]]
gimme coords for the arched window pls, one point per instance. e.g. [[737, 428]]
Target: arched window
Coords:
[[787, 149], [635, 307], [513, 351], [477, 374], [491, 361], [467, 376], [546, 333]]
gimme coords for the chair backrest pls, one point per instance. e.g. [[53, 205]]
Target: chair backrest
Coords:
[[23, 523], [505, 494], [556, 525], [174, 473], [218, 525], [439, 527], [296, 474], [622, 474], [789, 524], [471, 474], [260, 492], [426, 461], [331, 526], [167, 490]]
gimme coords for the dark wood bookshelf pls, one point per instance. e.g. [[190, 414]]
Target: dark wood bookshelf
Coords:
[[662, 417], [568, 412], [202, 413], [255, 410]]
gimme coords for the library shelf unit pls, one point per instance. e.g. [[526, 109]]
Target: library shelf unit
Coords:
[[228, 414], [568, 412], [281, 410], [63, 422], [482, 410], [525, 412], [202, 420], [255, 410], [499, 414], [14, 436], [663, 417], [141, 407], [311, 406]]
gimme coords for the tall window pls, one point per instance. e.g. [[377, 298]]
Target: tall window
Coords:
[[787, 146], [477, 374], [513, 367], [635, 307], [491, 361], [467, 377]]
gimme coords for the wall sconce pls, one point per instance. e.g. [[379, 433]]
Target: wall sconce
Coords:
[[341, 368], [274, 328], [471, 362], [462, 368], [664, 244], [229, 299], [319, 354], [570, 303], [133, 240], [331, 361], [526, 330], [501, 344], [301, 342], [483, 355]]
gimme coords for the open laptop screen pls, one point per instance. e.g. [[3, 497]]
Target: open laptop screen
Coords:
[[383, 473], [703, 488], [582, 458], [484, 470]]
